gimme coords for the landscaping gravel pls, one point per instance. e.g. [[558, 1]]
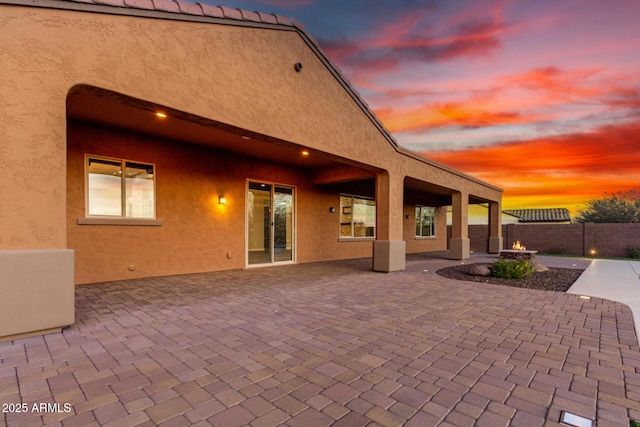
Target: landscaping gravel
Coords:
[[556, 279]]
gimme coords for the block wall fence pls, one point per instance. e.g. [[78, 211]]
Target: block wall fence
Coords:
[[608, 240]]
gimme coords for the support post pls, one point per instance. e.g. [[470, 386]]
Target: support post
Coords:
[[459, 247], [495, 228], [389, 248]]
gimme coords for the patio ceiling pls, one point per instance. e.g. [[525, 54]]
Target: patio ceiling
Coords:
[[112, 109], [418, 187]]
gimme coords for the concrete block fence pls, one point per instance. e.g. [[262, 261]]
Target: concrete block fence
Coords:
[[605, 240]]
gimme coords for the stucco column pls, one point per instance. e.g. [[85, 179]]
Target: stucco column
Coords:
[[495, 228], [389, 249], [459, 247]]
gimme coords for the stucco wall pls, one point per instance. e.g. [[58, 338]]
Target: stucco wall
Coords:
[[197, 232]]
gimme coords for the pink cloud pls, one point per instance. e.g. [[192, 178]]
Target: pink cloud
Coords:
[[467, 115], [411, 40]]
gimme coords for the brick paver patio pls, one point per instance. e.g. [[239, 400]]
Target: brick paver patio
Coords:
[[326, 344]]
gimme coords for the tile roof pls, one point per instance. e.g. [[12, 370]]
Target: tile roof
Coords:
[[540, 215], [197, 9], [178, 6]]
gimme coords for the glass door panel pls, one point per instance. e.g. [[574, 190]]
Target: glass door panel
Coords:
[[283, 224], [259, 223]]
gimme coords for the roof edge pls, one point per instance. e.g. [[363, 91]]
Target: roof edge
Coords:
[[417, 156]]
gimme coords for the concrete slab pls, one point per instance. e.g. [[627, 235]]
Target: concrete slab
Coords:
[[613, 280]]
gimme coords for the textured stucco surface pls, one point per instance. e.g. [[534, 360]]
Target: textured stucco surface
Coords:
[[429, 244]]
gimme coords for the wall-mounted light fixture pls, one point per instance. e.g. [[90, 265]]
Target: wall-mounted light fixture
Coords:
[[305, 153], [332, 209], [222, 200], [161, 115], [407, 216]]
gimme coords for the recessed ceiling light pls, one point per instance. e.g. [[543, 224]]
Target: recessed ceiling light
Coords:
[[305, 153], [245, 137], [161, 115]]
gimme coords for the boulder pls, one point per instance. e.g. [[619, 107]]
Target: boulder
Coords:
[[539, 268], [480, 270]]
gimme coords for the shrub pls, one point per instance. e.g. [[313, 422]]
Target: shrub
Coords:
[[633, 251], [512, 269]]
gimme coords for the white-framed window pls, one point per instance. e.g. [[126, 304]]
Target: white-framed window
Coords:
[[425, 221], [357, 216], [119, 188]]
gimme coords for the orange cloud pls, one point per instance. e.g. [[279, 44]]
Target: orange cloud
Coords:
[[449, 114], [563, 171], [555, 83]]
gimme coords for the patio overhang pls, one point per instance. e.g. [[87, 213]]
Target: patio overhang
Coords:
[[108, 108]]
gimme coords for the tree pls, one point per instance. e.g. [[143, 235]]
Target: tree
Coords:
[[616, 207]]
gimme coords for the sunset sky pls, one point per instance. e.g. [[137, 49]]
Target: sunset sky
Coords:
[[541, 98]]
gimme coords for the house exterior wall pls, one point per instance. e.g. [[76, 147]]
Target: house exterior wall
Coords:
[[197, 233]]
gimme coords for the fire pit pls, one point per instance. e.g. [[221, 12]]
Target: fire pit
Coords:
[[517, 251]]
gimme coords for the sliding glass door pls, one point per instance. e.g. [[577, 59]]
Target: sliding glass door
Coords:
[[270, 223]]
